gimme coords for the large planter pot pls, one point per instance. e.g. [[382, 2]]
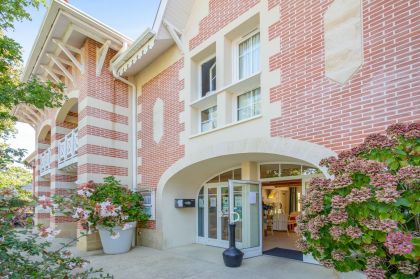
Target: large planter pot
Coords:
[[117, 245]]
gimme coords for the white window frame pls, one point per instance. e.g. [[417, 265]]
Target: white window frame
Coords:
[[201, 121], [236, 105], [235, 54], [200, 89], [152, 203]]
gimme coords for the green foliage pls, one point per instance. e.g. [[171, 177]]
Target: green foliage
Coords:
[[13, 91], [24, 254], [16, 177]]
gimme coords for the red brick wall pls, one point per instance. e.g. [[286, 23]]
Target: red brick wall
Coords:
[[157, 157], [106, 89], [384, 91], [221, 13]]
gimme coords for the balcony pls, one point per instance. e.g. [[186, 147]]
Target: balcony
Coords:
[[45, 162], [67, 152]]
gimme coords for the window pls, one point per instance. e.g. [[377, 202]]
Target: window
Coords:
[[149, 203], [249, 104], [208, 77], [208, 119], [249, 56]]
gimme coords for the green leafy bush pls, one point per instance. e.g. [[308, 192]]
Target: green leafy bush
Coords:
[[367, 216]]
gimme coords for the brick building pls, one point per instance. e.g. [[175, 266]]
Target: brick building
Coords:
[[228, 103]]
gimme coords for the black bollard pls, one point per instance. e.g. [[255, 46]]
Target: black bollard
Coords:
[[232, 256]]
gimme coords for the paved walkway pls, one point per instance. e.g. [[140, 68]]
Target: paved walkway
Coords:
[[201, 262]]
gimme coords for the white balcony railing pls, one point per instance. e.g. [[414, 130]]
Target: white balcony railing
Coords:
[[67, 150], [45, 162]]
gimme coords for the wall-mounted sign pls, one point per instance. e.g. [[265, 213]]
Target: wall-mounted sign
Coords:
[[184, 203]]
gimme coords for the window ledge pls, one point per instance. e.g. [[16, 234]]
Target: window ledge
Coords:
[[239, 86], [226, 126]]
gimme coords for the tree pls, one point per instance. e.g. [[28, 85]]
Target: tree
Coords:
[[367, 217], [13, 91], [22, 253]]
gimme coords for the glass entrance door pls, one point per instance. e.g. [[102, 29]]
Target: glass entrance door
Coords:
[[215, 202], [245, 210], [234, 201]]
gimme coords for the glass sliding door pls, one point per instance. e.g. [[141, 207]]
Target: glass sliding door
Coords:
[[245, 211]]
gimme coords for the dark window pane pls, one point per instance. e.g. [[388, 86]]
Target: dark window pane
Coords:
[[224, 177], [237, 174], [290, 170], [205, 76], [269, 170]]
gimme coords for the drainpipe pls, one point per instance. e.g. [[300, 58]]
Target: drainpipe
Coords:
[[133, 128]]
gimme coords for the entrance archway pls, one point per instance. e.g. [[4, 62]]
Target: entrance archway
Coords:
[[184, 179]]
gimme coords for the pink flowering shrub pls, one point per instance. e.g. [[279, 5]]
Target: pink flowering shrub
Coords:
[[107, 205], [367, 216]]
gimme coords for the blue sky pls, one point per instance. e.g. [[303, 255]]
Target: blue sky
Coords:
[[129, 17]]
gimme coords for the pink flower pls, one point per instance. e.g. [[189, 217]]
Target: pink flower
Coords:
[[409, 175], [397, 130], [338, 255], [302, 245], [338, 216], [115, 235], [327, 263], [399, 243], [354, 232], [336, 232], [368, 167], [45, 202], [359, 195], [338, 202], [377, 141], [375, 273], [341, 181], [383, 180], [387, 195], [370, 248], [48, 233], [385, 225], [407, 267]]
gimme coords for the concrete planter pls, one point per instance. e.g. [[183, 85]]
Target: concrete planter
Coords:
[[120, 244]]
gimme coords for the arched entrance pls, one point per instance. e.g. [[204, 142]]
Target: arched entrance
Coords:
[[185, 178]]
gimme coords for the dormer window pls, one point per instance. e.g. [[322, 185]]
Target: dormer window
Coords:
[[208, 77]]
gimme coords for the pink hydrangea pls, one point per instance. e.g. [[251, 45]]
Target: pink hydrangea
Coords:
[[354, 232], [302, 245], [338, 255], [338, 202], [370, 248], [375, 273], [338, 216], [409, 175], [387, 195], [385, 225], [327, 263], [367, 167], [336, 232], [397, 130], [383, 180], [399, 243], [314, 225], [341, 181], [359, 195], [377, 141], [408, 268]]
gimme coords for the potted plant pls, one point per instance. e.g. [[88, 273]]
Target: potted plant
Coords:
[[108, 207]]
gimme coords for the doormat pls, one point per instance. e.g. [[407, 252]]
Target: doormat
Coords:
[[285, 253]]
